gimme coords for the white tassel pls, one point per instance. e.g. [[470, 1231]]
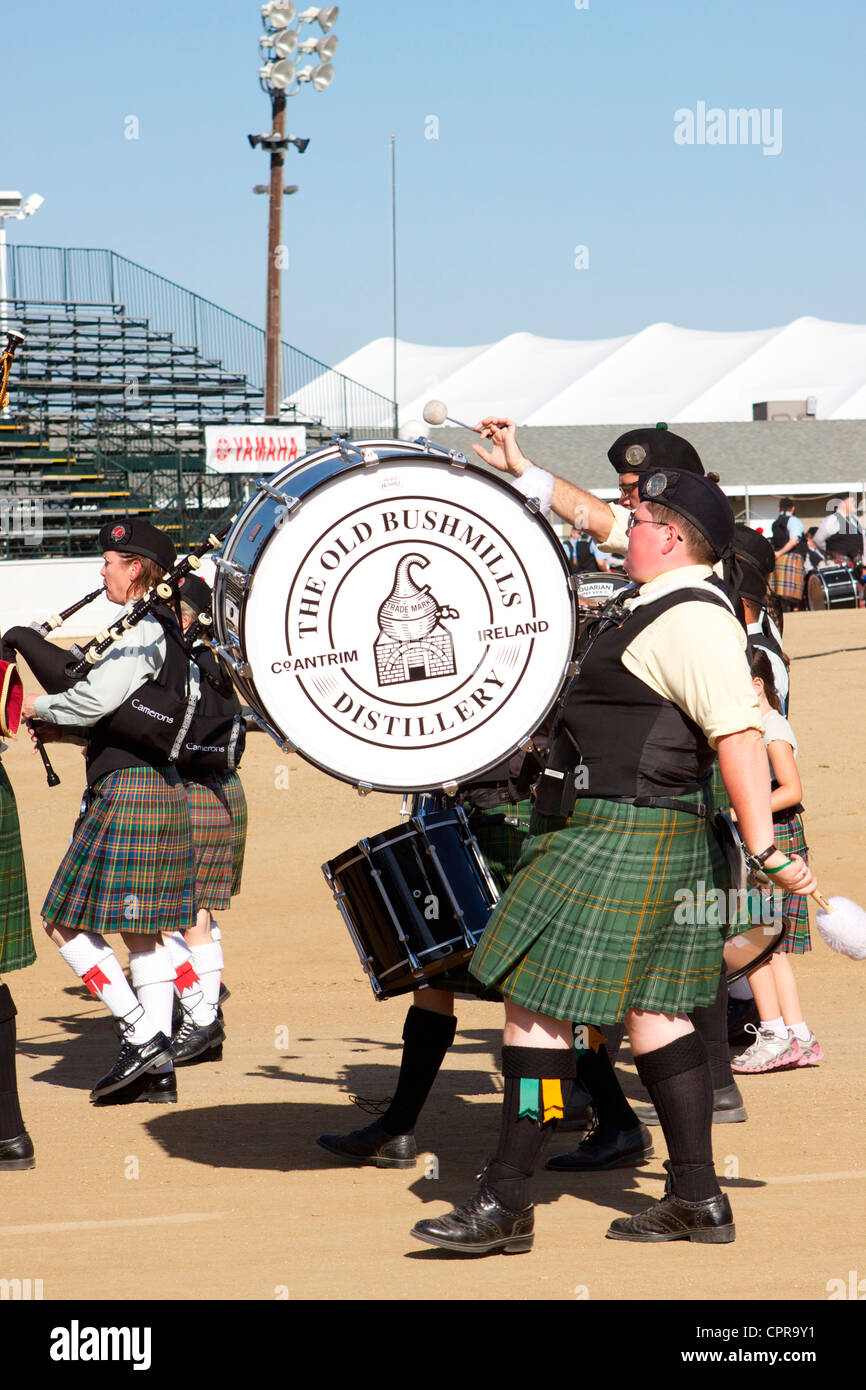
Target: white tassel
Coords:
[[844, 929]]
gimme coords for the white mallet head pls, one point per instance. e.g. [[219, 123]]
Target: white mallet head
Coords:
[[435, 412], [844, 929]]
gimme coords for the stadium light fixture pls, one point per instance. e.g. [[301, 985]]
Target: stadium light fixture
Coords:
[[283, 43], [321, 77], [324, 47], [278, 13], [326, 17], [278, 76]]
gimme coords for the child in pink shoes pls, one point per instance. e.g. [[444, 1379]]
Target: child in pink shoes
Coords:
[[782, 1039]]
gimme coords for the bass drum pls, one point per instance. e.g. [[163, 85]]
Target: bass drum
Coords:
[[832, 588], [402, 618]]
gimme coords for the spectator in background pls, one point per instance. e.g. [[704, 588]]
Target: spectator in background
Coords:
[[583, 553], [787, 535]]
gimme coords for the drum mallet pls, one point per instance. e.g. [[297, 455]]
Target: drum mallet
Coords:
[[436, 413]]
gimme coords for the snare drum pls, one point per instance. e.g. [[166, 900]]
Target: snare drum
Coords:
[[415, 899], [832, 588], [400, 617], [594, 590]]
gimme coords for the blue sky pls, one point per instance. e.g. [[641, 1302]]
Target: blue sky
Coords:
[[555, 130]]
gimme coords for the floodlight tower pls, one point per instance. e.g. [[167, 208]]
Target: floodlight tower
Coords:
[[12, 205], [280, 77]]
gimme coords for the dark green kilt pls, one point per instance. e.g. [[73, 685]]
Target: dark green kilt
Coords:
[[211, 827], [16, 940], [588, 928], [130, 864], [234, 793]]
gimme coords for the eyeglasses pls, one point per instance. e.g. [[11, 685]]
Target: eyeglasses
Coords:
[[639, 521]]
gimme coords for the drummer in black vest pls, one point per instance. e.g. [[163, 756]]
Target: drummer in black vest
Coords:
[[588, 927], [127, 869]]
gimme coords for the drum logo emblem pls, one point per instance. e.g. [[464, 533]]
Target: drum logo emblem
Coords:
[[412, 644]]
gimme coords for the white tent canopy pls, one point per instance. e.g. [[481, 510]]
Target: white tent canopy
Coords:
[[663, 372]]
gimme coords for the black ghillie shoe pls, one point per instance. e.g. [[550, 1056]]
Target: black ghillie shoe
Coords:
[[373, 1146], [481, 1226], [133, 1060]]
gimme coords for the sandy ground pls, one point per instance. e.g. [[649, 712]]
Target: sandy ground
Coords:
[[227, 1195]]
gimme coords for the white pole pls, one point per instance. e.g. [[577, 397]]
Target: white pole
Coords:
[[3, 285]]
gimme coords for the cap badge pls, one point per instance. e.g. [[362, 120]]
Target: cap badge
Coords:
[[655, 486], [635, 455]]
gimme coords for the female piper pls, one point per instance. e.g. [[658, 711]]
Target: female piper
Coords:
[[128, 868]]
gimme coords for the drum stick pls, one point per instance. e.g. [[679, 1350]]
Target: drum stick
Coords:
[[436, 413]]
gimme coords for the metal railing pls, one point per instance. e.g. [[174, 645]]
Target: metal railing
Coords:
[[84, 275]]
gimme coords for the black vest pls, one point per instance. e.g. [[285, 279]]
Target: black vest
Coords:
[[141, 732], [215, 740], [616, 735]]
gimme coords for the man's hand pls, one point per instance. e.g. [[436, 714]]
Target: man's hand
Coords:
[[505, 455], [28, 708]]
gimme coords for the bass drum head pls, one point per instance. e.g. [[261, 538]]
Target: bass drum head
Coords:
[[409, 623]]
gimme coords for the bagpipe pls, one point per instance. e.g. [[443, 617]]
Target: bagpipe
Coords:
[[52, 665]]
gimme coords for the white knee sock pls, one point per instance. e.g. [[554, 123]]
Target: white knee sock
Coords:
[[153, 979], [95, 963], [215, 929], [208, 962]]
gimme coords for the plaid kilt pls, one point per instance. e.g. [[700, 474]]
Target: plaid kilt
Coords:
[[16, 940], [211, 827], [788, 835], [587, 929], [234, 794], [790, 577], [130, 864], [721, 797]]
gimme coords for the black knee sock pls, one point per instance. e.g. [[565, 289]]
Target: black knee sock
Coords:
[[426, 1038], [712, 1024], [522, 1140], [11, 1120], [613, 1036], [595, 1072], [678, 1079]]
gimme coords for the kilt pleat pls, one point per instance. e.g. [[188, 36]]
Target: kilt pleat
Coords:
[[234, 794], [211, 826], [16, 939], [130, 864], [588, 928]]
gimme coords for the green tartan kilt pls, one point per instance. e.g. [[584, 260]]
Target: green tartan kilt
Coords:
[[788, 836], [130, 864], [588, 928], [16, 940], [211, 827], [234, 794]]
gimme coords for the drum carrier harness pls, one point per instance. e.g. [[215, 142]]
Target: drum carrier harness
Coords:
[[614, 737]]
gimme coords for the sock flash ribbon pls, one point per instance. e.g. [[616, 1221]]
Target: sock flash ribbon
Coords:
[[185, 976], [95, 979], [540, 1100]]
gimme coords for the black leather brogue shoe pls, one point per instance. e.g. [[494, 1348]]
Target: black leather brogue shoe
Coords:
[[155, 1089], [603, 1149], [373, 1146], [710, 1222], [728, 1108], [133, 1060], [482, 1226], [193, 1039], [17, 1154]]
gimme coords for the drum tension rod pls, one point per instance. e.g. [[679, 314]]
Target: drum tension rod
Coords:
[[457, 459], [291, 504], [266, 728], [240, 668], [239, 576]]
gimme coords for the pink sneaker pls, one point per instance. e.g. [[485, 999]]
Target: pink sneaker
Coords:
[[767, 1052], [810, 1052]]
